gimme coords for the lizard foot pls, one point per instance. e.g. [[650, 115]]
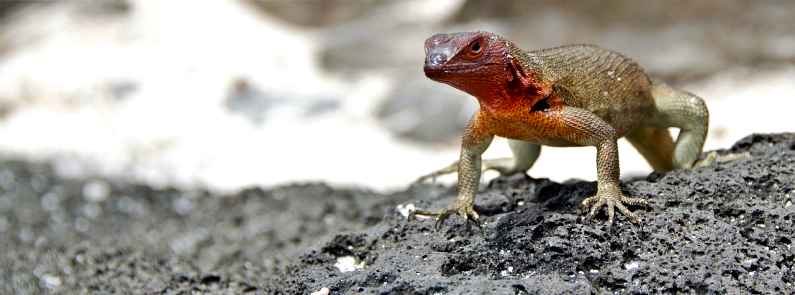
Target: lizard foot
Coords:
[[504, 166], [713, 157], [613, 199], [465, 211]]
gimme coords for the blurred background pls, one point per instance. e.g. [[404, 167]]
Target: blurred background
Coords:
[[230, 93]]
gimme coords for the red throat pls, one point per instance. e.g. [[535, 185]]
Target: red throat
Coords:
[[482, 65], [503, 88]]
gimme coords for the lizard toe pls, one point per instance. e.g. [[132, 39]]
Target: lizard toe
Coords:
[[443, 215], [611, 211], [597, 202], [612, 202]]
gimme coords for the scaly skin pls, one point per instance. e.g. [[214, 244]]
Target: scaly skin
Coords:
[[576, 95]]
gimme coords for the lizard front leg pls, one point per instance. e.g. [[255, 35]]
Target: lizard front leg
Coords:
[[585, 128], [475, 141], [608, 191]]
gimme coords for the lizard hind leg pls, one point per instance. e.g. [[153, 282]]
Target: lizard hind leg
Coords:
[[655, 145], [683, 110], [524, 156]]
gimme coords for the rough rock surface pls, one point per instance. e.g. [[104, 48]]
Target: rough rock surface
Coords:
[[725, 228]]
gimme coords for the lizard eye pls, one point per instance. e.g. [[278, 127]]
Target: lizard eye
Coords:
[[475, 50], [475, 47]]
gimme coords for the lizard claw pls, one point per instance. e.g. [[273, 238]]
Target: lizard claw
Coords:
[[713, 157], [466, 211], [612, 200], [443, 215]]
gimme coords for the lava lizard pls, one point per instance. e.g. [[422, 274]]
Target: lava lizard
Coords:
[[573, 95]]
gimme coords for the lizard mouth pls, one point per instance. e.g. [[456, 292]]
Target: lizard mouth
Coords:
[[440, 72]]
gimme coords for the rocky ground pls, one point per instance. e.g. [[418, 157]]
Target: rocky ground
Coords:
[[725, 228]]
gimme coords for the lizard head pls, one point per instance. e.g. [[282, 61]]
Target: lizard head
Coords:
[[479, 63]]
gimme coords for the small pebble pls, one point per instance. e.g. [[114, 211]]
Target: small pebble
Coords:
[[322, 291], [348, 263], [51, 281], [632, 265], [96, 191]]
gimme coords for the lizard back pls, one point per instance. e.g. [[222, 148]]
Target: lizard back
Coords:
[[602, 81]]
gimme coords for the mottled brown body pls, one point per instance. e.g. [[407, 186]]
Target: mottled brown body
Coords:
[[576, 95], [603, 82]]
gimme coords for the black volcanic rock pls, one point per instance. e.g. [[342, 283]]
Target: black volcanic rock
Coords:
[[722, 228], [725, 228]]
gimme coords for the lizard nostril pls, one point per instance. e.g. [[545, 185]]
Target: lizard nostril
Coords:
[[437, 59]]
